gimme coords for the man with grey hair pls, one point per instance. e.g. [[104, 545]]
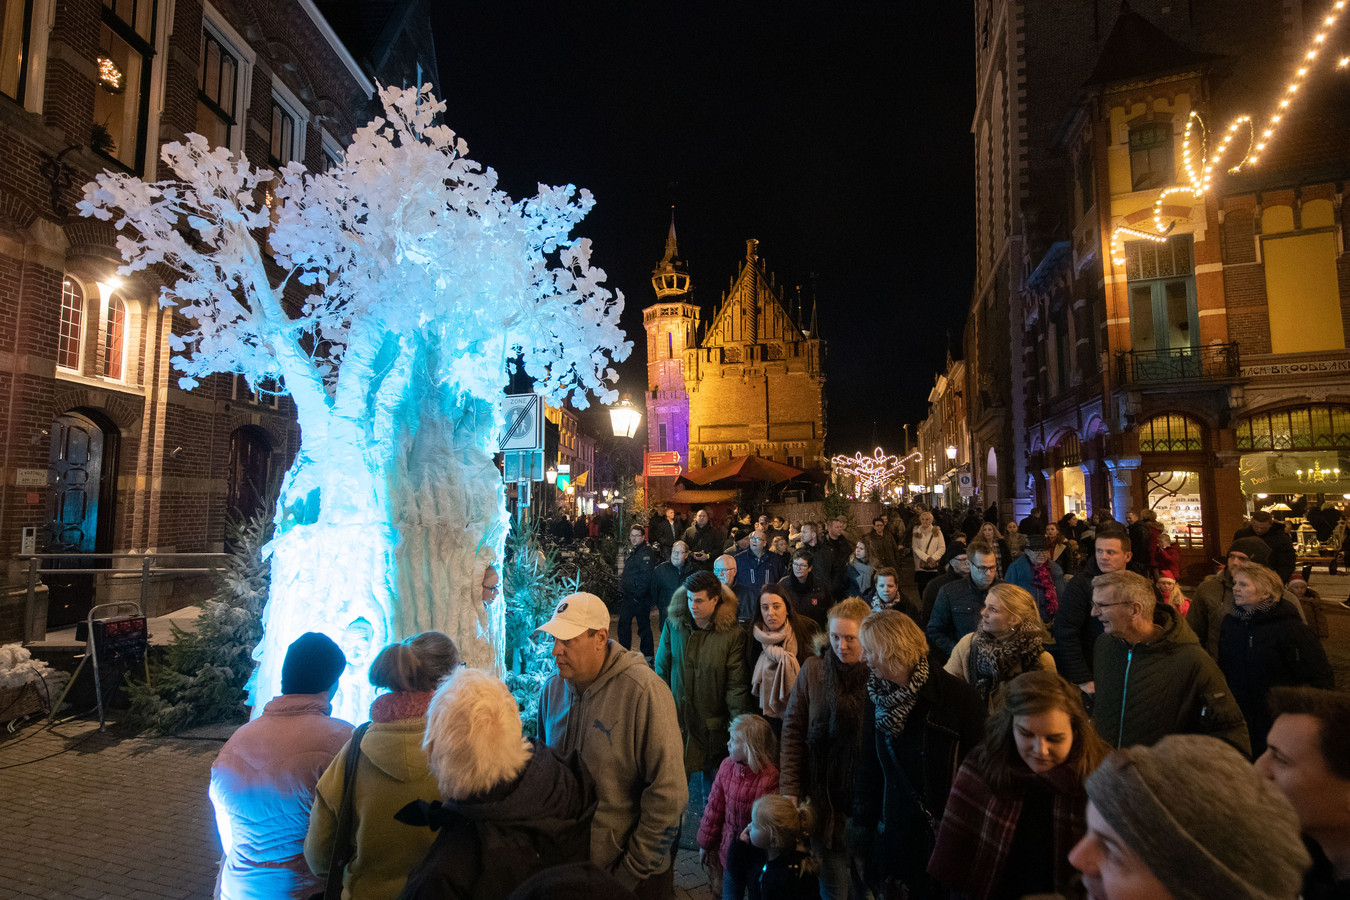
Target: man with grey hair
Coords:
[[1153, 677]]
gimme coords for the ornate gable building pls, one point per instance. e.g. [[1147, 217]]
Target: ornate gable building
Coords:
[[752, 385]]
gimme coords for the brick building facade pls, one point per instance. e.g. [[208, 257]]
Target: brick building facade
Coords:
[[103, 451], [1185, 351], [754, 379]]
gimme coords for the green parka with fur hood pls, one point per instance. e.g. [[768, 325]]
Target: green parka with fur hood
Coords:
[[706, 671]]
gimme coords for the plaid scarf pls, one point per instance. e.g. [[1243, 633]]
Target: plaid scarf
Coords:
[[895, 702], [994, 661]]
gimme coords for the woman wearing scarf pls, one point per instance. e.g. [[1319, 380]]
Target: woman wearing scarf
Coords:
[[1006, 643], [780, 641], [919, 725], [391, 772], [1063, 551], [1264, 643], [1018, 805], [861, 574], [822, 733]]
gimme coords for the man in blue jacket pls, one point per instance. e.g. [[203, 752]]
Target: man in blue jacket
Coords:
[[756, 566], [956, 611]]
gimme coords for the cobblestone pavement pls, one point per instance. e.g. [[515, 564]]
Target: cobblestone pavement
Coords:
[[85, 814]]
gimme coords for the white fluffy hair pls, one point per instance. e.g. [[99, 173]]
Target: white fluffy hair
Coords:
[[473, 739]]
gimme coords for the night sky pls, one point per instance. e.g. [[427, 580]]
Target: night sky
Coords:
[[840, 138]]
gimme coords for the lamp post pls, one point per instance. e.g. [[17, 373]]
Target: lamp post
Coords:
[[625, 419], [951, 462]]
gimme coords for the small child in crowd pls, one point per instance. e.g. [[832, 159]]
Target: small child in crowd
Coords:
[[745, 776], [779, 827]]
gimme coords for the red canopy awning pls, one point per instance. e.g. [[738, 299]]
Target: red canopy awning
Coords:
[[743, 470]]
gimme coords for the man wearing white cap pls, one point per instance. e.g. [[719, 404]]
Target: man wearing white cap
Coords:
[[607, 705]]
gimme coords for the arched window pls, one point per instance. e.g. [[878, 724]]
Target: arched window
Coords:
[[1319, 427], [72, 325], [1171, 433], [114, 340]]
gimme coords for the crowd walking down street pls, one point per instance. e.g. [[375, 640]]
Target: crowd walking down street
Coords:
[[942, 757]]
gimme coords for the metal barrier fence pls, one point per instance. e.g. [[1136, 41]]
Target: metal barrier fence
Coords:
[[148, 568]]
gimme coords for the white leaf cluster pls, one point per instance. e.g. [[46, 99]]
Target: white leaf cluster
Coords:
[[405, 237]]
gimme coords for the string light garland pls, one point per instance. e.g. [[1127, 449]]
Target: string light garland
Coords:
[[1200, 167], [873, 473]]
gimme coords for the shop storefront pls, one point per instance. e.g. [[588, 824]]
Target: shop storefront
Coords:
[[1068, 482], [1294, 460], [1177, 482]]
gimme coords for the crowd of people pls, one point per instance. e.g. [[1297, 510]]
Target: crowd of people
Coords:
[[1043, 716]]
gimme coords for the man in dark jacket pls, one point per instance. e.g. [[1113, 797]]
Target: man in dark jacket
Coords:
[[666, 531], [958, 567], [1152, 676], [704, 540], [724, 567], [1034, 523], [1076, 629], [1309, 761], [756, 566], [809, 597], [702, 658], [1283, 558], [841, 551], [667, 578], [956, 610], [635, 593]]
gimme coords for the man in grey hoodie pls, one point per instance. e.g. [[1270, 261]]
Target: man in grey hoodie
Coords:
[[606, 704]]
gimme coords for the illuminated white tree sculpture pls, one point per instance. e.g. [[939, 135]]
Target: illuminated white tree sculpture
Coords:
[[416, 282], [872, 473]]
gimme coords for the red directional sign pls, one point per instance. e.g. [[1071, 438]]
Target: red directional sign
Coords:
[[661, 471], [663, 458]]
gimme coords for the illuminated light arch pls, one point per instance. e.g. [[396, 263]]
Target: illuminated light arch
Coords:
[[1200, 166], [875, 472]]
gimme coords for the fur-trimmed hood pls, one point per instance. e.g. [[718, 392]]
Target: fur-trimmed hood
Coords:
[[724, 617]]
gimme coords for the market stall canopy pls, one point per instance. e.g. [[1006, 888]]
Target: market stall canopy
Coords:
[[696, 497], [743, 470]]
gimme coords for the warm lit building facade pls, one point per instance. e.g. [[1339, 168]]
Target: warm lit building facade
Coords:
[[945, 439], [103, 451], [1201, 371], [752, 384]]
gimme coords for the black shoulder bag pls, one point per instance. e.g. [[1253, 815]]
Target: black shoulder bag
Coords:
[[343, 847]]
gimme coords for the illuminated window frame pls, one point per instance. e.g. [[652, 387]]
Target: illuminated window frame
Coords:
[[286, 108], [70, 336], [215, 26], [115, 340], [1319, 426], [1171, 433]]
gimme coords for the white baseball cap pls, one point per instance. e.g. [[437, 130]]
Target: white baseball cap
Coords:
[[575, 614]]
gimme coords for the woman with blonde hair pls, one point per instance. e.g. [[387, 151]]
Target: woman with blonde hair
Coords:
[[391, 772], [1008, 641], [1018, 805], [919, 725], [1263, 643]]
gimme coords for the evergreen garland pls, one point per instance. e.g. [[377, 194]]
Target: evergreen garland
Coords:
[[201, 680]]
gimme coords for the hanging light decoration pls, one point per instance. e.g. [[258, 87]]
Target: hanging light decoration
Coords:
[[872, 473], [112, 79], [1199, 165]]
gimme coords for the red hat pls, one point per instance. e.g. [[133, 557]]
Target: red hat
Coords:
[[1167, 573]]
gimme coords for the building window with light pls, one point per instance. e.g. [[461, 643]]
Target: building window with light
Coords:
[[217, 91], [115, 340], [1163, 313], [126, 45], [1152, 164], [71, 334], [14, 48], [282, 147]]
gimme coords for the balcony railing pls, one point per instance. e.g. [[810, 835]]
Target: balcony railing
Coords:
[[1216, 362]]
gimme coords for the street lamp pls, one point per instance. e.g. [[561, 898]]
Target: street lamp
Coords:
[[551, 476], [951, 452], [624, 418]]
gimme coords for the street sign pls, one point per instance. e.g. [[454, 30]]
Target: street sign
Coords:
[[661, 471], [965, 484], [662, 458], [524, 422], [523, 465]]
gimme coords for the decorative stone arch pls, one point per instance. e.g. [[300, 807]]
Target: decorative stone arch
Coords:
[[123, 411]]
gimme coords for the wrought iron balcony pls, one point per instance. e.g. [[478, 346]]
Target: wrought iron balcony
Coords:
[[1216, 362]]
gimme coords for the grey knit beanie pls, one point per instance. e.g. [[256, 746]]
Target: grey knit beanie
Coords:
[[1200, 817]]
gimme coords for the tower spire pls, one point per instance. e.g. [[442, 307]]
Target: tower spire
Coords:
[[671, 275]]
